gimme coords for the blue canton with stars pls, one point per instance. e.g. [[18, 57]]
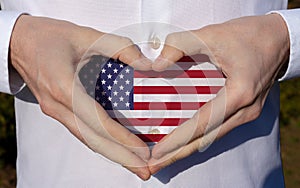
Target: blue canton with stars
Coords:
[[109, 81]]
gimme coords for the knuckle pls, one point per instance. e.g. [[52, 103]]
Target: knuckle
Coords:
[[45, 106], [255, 112], [125, 41], [172, 39], [125, 47], [245, 96], [250, 114]]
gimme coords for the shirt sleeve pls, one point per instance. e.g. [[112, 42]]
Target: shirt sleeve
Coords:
[[10, 80], [292, 20]]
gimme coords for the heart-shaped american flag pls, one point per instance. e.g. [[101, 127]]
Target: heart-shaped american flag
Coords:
[[151, 104]]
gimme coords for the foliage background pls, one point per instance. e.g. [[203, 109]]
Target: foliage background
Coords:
[[289, 128]]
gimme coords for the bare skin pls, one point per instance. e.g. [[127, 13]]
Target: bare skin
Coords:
[[250, 51], [46, 53]]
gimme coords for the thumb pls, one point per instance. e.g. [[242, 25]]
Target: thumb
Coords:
[[176, 46]]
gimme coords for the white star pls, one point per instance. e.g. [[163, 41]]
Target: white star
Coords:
[[127, 93], [109, 76], [91, 70], [115, 71], [85, 76], [109, 98], [115, 104], [127, 82], [103, 104], [115, 93], [97, 87], [103, 70], [121, 99], [98, 65], [103, 93], [109, 87], [121, 76], [103, 82], [115, 82], [127, 70], [121, 65], [127, 104], [97, 98], [91, 82], [109, 65], [121, 87]]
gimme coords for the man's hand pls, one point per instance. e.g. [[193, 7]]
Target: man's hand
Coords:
[[46, 53], [250, 52]]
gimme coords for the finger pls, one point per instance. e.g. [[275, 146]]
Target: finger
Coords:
[[211, 115], [74, 97], [118, 47], [70, 92], [176, 46], [168, 56], [111, 150], [132, 56], [92, 114], [115, 152], [157, 164], [244, 115]]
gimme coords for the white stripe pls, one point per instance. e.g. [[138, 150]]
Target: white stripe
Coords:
[[173, 97], [179, 82], [151, 113], [151, 129], [199, 66]]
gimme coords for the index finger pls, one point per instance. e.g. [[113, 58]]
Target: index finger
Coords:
[[176, 46], [118, 47]]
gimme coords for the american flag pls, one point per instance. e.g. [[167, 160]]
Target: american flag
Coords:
[[151, 104]]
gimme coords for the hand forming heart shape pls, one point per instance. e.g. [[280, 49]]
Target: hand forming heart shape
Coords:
[[49, 62]]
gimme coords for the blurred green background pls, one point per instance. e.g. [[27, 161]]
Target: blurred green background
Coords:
[[289, 128]]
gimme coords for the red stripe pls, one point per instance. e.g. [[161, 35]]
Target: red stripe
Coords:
[[167, 105], [176, 89], [179, 74], [186, 59], [151, 121], [195, 58], [151, 137]]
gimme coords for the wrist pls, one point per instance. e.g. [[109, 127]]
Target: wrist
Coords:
[[281, 30]]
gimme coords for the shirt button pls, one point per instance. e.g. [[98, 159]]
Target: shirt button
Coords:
[[154, 131], [154, 42]]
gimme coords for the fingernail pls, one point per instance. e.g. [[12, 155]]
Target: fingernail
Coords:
[[144, 175], [154, 169]]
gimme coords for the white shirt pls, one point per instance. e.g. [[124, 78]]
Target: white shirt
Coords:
[[49, 156]]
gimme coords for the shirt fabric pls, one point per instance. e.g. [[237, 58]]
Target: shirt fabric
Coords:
[[49, 156]]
